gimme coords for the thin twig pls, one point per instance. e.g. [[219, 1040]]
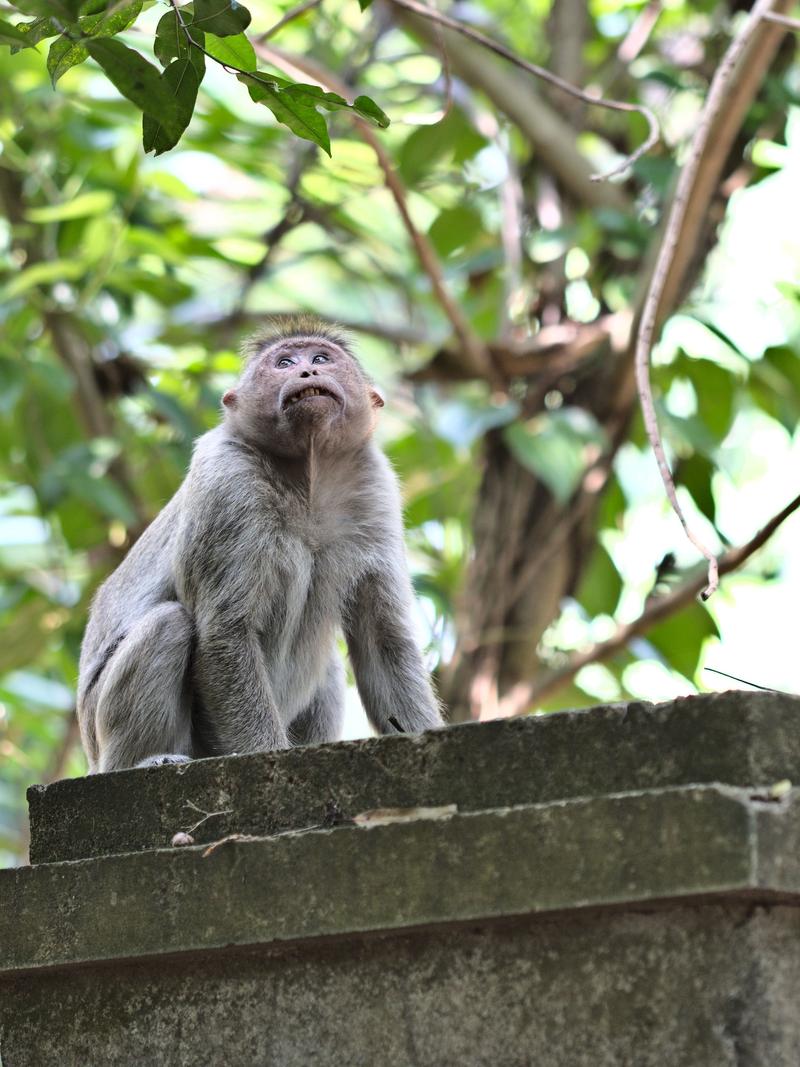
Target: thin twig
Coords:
[[782, 20], [206, 816], [525, 694], [224, 841], [717, 96], [636, 37], [742, 681], [546, 75], [290, 16]]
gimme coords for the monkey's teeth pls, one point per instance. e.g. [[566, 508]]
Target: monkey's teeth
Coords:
[[312, 390]]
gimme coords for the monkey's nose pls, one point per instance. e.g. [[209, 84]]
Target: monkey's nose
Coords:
[[307, 373]]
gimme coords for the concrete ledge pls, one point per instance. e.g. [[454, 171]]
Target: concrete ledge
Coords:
[[710, 986], [680, 843], [738, 739]]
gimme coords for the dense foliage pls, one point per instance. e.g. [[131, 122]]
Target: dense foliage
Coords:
[[128, 281]]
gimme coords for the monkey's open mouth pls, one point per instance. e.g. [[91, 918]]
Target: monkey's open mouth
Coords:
[[309, 391]]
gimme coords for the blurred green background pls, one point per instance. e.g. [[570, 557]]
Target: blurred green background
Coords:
[[127, 283]]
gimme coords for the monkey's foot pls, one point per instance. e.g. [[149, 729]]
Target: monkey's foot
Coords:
[[161, 761]]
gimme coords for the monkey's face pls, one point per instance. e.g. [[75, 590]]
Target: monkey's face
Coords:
[[302, 390]]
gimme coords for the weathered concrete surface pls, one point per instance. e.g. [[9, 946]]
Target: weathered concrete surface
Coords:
[[739, 739], [619, 888], [631, 848], [709, 986]]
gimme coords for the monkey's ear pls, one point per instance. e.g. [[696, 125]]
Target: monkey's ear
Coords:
[[376, 398], [229, 399]]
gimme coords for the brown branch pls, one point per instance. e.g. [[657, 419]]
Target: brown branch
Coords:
[[553, 350], [292, 14], [474, 350], [523, 695], [782, 20], [717, 100], [637, 35], [545, 75], [516, 97]]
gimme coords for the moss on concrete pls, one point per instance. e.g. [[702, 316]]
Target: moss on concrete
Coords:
[[739, 739], [710, 986], [626, 849]]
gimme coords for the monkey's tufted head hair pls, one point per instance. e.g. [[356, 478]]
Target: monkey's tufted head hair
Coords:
[[304, 325]]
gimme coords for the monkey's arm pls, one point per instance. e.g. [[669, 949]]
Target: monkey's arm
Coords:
[[392, 681]]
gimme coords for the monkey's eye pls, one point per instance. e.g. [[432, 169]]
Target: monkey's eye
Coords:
[[284, 361], [320, 358]]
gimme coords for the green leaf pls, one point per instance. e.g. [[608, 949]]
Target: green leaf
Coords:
[[774, 385], [714, 387], [103, 494], [455, 228], [64, 54], [10, 35], [426, 145], [601, 585], [172, 41], [679, 639], [139, 81], [92, 203], [318, 97], [301, 118], [369, 110], [786, 361], [106, 24], [695, 473], [295, 105], [63, 10], [55, 270], [33, 32], [364, 4], [225, 18], [557, 447], [233, 51], [466, 414], [180, 79]]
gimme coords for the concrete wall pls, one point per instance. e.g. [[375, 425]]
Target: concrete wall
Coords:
[[610, 887]]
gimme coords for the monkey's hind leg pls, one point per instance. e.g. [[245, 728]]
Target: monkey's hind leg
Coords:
[[322, 720], [143, 714]]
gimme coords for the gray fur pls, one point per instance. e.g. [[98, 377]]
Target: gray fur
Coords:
[[217, 633]]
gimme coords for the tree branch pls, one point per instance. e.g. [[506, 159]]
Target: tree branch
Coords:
[[517, 98], [783, 20], [293, 13], [474, 351], [545, 75], [522, 696], [720, 91], [556, 349]]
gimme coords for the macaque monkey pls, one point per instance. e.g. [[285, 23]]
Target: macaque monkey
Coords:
[[217, 633]]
